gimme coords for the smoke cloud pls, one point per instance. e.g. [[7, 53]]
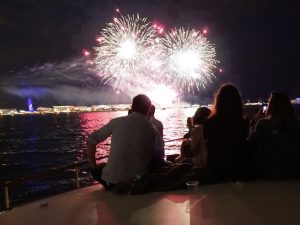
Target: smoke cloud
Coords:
[[70, 82]]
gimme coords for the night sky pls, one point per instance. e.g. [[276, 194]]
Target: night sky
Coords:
[[257, 42]]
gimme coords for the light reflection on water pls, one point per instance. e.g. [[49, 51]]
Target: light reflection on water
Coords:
[[93, 121], [173, 119]]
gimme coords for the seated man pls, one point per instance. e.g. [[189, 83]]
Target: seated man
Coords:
[[158, 126], [155, 122], [132, 144]]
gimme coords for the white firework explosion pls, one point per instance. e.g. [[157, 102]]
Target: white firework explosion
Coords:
[[125, 45], [189, 58]]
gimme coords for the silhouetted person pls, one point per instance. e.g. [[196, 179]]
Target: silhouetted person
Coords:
[[132, 144], [159, 128], [193, 150], [276, 139], [226, 132], [155, 122], [200, 115]]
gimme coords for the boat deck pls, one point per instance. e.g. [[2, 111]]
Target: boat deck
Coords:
[[253, 203]]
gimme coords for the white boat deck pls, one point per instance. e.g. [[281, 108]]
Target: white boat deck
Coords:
[[253, 203]]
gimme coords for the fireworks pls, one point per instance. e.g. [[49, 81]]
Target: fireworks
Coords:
[[134, 53], [162, 95], [124, 48], [189, 58]]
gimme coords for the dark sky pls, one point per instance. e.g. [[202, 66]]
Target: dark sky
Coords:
[[257, 41]]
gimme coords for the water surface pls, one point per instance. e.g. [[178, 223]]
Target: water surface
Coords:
[[30, 143]]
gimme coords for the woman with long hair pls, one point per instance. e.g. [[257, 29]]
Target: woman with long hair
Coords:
[[226, 132]]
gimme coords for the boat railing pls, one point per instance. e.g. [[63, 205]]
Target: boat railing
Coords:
[[19, 179]]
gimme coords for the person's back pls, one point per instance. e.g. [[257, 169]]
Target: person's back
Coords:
[[160, 144], [225, 132], [276, 140], [226, 147], [132, 145], [158, 124], [131, 148], [277, 155], [155, 122]]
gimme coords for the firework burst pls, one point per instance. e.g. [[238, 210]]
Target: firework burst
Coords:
[[189, 58], [124, 49]]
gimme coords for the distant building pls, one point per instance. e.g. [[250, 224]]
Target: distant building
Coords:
[[24, 112], [100, 107], [82, 109], [8, 111], [123, 107], [44, 110], [63, 108]]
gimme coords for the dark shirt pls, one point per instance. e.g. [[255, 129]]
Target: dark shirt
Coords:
[[277, 148], [225, 143]]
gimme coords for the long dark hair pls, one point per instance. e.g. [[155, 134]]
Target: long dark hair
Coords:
[[281, 109], [280, 105], [228, 104]]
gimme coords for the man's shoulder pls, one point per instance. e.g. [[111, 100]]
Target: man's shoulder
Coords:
[[159, 122], [118, 119], [139, 119], [156, 121]]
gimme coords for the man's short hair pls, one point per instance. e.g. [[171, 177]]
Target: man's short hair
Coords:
[[141, 104]]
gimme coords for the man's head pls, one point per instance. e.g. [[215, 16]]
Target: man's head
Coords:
[[141, 104]]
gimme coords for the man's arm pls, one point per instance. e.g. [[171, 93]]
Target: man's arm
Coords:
[[95, 138], [91, 151], [159, 150]]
